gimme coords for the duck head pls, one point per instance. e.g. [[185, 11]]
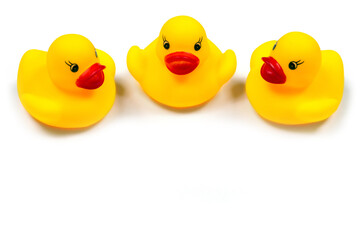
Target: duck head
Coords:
[[73, 64], [182, 45], [294, 61]]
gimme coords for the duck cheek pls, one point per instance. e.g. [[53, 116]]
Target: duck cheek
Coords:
[[298, 80]]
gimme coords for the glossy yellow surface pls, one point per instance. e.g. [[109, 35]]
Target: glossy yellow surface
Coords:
[[47, 88], [181, 91], [312, 92]]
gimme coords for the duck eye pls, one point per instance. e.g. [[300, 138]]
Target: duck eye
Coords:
[[294, 64], [96, 53], [197, 46], [166, 45], [274, 46], [74, 67]]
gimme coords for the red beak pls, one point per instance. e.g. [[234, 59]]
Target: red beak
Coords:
[[272, 72], [91, 78], [181, 63]]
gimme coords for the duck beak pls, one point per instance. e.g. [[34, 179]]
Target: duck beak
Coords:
[[181, 63], [91, 78], [272, 72]]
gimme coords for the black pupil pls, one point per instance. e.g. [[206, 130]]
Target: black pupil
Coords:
[[166, 45], [96, 53], [197, 46], [74, 67], [292, 65]]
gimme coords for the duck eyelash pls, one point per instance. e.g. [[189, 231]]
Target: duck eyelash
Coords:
[[299, 62], [164, 38], [68, 63], [200, 39]]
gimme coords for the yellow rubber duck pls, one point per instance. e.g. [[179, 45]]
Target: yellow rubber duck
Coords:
[[181, 68], [70, 86], [292, 81]]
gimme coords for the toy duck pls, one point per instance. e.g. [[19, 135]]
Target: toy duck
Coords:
[[70, 86], [293, 82], [182, 68]]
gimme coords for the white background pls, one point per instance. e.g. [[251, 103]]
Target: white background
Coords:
[[148, 172]]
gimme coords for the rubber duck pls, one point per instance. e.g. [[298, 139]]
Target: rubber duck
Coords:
[[70, 86], [181, 68], [292, 81]]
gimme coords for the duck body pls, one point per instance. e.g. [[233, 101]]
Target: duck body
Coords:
[[315, 102], [175, 88], [59, 107]]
